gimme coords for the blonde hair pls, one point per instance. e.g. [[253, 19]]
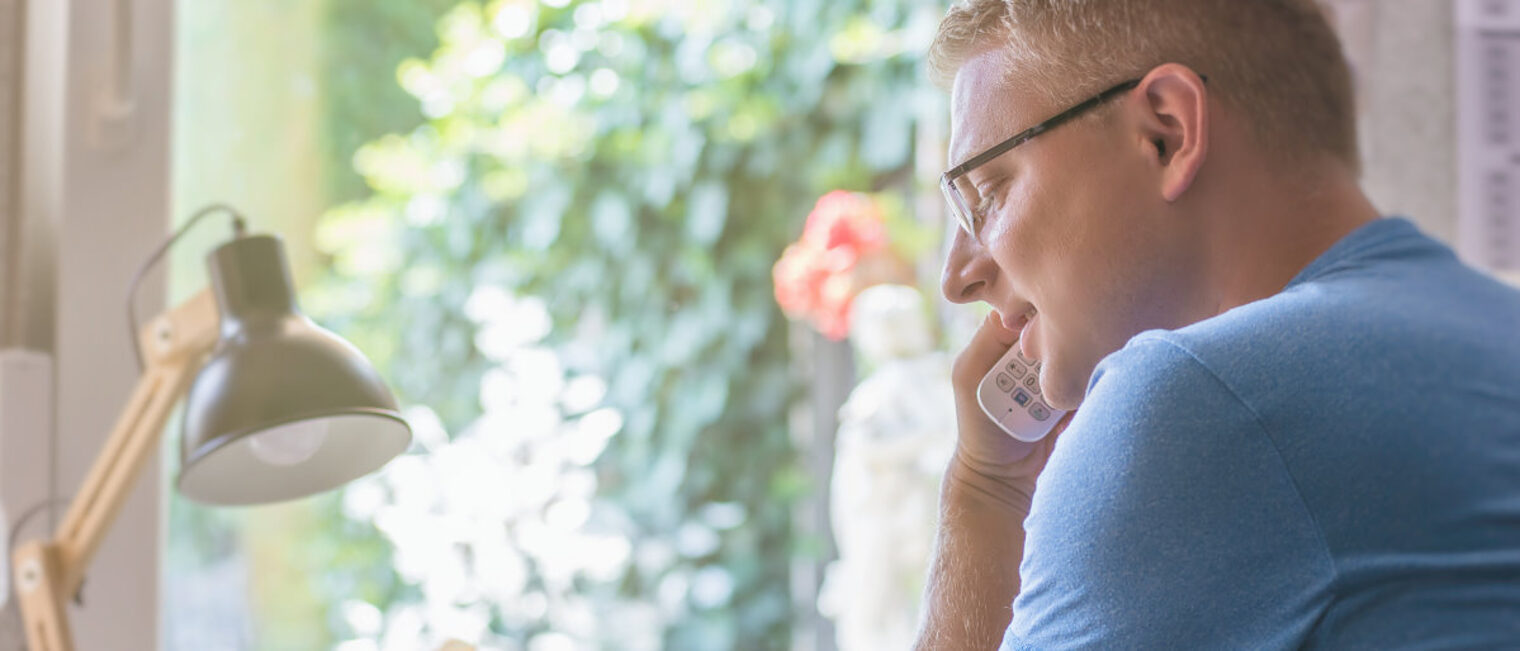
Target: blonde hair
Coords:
[[1276, 62]]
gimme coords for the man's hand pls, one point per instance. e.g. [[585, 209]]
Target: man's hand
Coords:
[[985, 495], [982, 448]]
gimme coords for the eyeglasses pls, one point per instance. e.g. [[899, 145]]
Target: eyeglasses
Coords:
[[962, 195]]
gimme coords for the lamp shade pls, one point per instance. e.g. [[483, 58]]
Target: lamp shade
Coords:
[[282, 408]]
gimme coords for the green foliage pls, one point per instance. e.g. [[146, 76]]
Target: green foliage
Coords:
[[362, 42], [641, 167]]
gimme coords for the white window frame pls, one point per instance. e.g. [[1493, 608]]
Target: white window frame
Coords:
[[92, 158]]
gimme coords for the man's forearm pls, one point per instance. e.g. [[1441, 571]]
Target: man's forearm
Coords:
[[974, 575]]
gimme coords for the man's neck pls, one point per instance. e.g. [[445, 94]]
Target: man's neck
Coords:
[[1276, 227]]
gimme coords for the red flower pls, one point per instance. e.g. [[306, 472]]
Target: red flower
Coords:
[[815, 278], [846, 220]]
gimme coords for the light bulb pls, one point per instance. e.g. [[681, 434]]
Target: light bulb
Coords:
[[289, 444]]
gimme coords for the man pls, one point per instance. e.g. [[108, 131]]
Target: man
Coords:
[[1299, 422]]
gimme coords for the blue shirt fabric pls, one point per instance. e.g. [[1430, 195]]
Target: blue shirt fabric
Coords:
[[1336, 466]]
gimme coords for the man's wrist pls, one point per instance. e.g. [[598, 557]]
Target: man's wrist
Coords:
[[1005, 490]]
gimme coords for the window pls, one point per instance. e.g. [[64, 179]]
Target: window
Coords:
[[552, 227]]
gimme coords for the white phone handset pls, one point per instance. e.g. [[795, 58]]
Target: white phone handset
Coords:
[[1010, 395]]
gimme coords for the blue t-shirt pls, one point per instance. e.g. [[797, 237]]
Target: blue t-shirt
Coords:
[[1335, 466]]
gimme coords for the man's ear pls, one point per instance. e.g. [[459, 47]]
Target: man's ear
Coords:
[[1174, 123]]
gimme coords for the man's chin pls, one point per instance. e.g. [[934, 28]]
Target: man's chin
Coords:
[[1063, 400], [1057, 391]]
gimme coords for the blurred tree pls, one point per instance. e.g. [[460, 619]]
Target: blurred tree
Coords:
[[640, 165], [360, 43]]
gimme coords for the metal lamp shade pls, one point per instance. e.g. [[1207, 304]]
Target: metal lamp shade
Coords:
[[283, 408]]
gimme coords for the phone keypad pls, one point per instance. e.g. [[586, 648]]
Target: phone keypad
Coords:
[[1013, 397], [1025, 395]]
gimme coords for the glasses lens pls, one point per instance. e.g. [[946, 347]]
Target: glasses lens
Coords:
[[959, 194]]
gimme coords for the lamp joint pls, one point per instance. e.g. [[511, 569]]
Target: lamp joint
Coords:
[[31, 575], [163, 334]]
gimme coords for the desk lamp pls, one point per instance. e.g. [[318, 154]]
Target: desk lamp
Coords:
[[276, 408]]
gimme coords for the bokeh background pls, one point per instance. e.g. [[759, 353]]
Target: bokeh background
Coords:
[[554, 225]]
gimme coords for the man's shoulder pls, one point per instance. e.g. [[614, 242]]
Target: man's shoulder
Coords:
[[1341, 351], [1367, 319], [1157, 381]]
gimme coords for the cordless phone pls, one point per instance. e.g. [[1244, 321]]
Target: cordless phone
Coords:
[[1010, 394]]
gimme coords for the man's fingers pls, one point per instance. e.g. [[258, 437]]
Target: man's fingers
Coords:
[[987, 345]]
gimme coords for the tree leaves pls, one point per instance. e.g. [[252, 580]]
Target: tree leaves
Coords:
[[641, 171], [707, 213]]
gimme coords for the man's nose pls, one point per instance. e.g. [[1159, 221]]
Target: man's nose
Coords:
[[968, 270]]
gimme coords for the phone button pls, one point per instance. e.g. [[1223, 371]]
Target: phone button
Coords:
[[1039, 411], [1033, 383], [1005, 383], [1016, 368], [1022, 397]]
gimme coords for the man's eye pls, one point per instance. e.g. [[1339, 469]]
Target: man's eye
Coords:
[[985, 205], [991, 196], [988, 199]]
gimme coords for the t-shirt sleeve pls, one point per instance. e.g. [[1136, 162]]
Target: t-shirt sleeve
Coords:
[[1166, 519]]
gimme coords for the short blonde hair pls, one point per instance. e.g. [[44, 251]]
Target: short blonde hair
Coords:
[[1276, 62]]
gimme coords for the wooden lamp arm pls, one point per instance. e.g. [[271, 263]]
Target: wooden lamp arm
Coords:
[[48, 572]]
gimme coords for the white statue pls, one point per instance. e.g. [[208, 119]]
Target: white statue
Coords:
[[896, 434]]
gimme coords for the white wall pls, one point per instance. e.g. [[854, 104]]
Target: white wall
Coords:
[[1403, 58]]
